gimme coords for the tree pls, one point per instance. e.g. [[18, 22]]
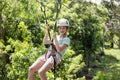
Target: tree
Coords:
[[87, 23], [113, 19], [23, 29], [11, 14]]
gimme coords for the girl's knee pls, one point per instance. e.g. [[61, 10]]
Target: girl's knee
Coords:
[[41, 73], [31, 69]]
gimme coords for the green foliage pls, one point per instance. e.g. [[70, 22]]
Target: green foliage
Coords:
[[14, 12], [90, 32], [1, 52], [23, 25], [2, 46], [99, 76], [23, 56], [25, 34], [62, 70], [87, 23], [108, 69], [113, 19], [82, 78], [76, 64]]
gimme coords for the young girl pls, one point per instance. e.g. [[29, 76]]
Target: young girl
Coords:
[[46, 61]]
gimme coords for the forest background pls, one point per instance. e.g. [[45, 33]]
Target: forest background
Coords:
[[94, 53]]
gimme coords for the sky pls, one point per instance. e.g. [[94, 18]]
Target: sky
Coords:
[[96, 1], [99, 1]]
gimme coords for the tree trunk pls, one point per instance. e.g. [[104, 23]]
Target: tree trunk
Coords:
[[119, 38], [112, 41], [1, 28], [1, 33], [4, 57]]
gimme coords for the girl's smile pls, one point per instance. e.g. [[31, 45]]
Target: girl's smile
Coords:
[[62, 30]]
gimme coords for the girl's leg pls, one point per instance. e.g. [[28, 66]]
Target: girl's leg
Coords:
[[34, 67], [47, 66]]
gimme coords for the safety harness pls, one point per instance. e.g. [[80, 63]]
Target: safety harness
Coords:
[[58, 7]]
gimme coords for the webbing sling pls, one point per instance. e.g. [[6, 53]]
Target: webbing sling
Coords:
[[43, 9], [59, 4]]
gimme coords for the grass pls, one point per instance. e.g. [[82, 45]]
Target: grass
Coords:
[[109, 65], [112, 64], [113, 52]]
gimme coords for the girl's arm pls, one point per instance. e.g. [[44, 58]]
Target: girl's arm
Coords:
[[45, 39], [59, 48]]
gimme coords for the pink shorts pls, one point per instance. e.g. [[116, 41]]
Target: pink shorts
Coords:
[[47, 57]]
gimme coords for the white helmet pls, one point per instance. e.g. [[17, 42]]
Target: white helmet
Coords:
[[63, 22]]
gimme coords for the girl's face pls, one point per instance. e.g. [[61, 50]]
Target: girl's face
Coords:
[[62, 30]]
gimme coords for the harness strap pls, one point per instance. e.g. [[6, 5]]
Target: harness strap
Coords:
[[54, 71], [53, 55]]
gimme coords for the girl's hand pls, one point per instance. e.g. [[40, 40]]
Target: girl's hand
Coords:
[[53, 35], [47, 27]]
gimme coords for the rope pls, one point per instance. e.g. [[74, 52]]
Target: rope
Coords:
[[44, 12], [59, 4]]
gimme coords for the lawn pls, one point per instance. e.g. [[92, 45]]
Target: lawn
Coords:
[[112, 64], [109, 65]]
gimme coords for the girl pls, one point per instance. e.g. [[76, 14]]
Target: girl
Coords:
[[47, 61]]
